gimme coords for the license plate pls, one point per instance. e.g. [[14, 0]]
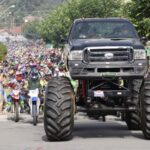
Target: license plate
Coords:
[[108, 74], [99, 93]]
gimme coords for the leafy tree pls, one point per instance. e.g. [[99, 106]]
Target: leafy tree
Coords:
[[3, 51], [139, 12], [58, 22], [31, 31]]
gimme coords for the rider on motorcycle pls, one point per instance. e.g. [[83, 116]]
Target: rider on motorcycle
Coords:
[[16, 84], [35, 82]]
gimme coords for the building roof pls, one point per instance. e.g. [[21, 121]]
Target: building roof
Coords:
[[16, 30], [2, 30]]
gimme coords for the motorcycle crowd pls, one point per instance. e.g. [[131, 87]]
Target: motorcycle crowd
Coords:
[[24, 74]]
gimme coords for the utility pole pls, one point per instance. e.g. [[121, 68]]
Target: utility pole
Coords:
[[12, 21], [2, 2], [9, 27]]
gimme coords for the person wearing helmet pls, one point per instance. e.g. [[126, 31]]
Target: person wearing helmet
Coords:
[[34, 81], [48, 75], [62, 66], [62, 69], [16, 83], [19, 76]]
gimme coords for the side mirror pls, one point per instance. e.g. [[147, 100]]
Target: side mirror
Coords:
[[144, 40]]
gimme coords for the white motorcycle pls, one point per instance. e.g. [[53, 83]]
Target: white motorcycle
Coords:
[[34, 104]]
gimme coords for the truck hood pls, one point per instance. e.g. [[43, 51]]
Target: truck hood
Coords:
[[80, 44]]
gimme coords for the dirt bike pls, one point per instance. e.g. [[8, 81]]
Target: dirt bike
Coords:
[[34, 104], [15, 106]]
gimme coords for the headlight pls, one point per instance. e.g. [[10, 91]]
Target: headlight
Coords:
[[139, 54], [75, 55]]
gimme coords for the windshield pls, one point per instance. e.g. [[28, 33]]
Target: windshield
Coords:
[[102, 29]]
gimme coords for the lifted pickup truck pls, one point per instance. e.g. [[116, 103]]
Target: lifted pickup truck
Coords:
[[109, 61]]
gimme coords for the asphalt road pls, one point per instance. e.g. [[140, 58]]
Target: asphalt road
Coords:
[[88, 135]]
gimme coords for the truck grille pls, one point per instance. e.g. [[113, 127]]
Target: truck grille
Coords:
[[107, 54]]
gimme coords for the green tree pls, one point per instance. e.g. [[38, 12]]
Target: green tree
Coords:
[[58, 22], [3, 51], [139, 12], [31, 30]]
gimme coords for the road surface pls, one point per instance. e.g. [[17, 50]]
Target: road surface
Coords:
[[88, 135]]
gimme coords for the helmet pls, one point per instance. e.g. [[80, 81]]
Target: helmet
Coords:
[[19, 67], [11, 72], [48, 73], [19, 76], [50, 64], [34, 75], [61, 66]]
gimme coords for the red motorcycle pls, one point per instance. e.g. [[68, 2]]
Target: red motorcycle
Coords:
[[15, 106]]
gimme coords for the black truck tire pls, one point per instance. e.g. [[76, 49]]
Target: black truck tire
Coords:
[[145, 108], [132, 118], [59, 109]]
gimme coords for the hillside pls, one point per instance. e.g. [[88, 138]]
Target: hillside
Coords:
[[24, 8], [32, 5]]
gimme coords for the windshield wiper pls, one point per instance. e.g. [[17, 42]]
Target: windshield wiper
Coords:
[[118, 39]]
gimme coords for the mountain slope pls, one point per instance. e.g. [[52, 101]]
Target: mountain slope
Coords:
[[31, 5], [39, 8]]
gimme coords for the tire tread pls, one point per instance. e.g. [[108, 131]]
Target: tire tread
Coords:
[[59, 109]]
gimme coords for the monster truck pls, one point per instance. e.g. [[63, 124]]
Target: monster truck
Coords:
[[108, 59]]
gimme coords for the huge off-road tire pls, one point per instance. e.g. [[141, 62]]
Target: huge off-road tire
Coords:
[[145, 108], [59, 109], [132, 118]]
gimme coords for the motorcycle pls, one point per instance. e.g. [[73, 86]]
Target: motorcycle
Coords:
[[34, 104], [15, 106]]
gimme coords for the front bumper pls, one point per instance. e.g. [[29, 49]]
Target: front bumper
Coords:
[[80, 70]]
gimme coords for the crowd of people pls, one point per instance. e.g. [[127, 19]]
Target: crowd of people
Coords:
[[28, 65]]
